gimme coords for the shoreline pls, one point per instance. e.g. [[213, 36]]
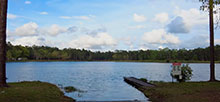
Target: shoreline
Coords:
[[33, 91], [183, 92], [201, 91], [141, 61]]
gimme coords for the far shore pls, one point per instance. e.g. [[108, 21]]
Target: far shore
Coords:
[[143, 61]]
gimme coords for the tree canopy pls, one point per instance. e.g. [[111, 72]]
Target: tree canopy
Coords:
[[19, 52]]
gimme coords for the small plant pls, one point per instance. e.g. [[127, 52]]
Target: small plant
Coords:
[[186, 74], [69, 89], [144, 80]]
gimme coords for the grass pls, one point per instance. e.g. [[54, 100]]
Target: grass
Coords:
[[32, 92], [184, 92]]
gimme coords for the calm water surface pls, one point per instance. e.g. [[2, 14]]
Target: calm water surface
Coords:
[[100, 80]]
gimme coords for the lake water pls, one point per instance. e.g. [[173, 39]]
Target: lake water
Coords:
[[99, 80]]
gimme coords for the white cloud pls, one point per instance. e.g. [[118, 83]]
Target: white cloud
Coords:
[[99, 41], [139, 18], [161, 17], [27, 2], [193, 17], [55, 29], [30, 41], [160, 47], [160, 36], [11, 16], [32, 29], [143, 48], [44, 13], [185, 20], [29, 29]]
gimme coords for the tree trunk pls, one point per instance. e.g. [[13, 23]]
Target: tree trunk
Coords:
[[3, 20], [211, 25]]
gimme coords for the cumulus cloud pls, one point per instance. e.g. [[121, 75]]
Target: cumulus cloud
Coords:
[[139, 18], [161, 17], [99, 41], [55, 29], [160, 36], [27, 2], [193, 16], [29, 29], [30, 41], [186, 19], [178, 26], [32, 29], [11, 16], [44, 13]]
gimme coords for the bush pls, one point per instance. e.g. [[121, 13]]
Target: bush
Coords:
[[69, 89], [186, 73], [144, 80]]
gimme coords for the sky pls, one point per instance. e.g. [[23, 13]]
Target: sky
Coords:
[[103, 25]]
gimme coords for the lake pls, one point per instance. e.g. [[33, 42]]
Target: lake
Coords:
[[99, 81]]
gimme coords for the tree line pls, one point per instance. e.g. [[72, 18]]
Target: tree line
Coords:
[[18, 52]]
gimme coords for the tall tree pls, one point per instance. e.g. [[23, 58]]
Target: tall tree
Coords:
[[210, 5], [211, 25], [3, 21]]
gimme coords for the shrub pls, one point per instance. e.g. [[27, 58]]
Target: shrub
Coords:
[[186, 73], [69, 89], [144, 80]]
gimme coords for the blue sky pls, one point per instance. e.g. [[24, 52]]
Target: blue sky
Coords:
[[109, 24]]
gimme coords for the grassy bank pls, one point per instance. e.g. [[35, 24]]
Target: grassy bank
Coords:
[[32, 92], [184, 92]]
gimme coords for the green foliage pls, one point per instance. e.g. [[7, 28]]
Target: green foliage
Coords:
[[69, 89], [206, 4], [143, 79], [186, 73], [162, 55]]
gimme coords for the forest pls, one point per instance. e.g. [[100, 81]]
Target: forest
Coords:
[[24, 53]]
